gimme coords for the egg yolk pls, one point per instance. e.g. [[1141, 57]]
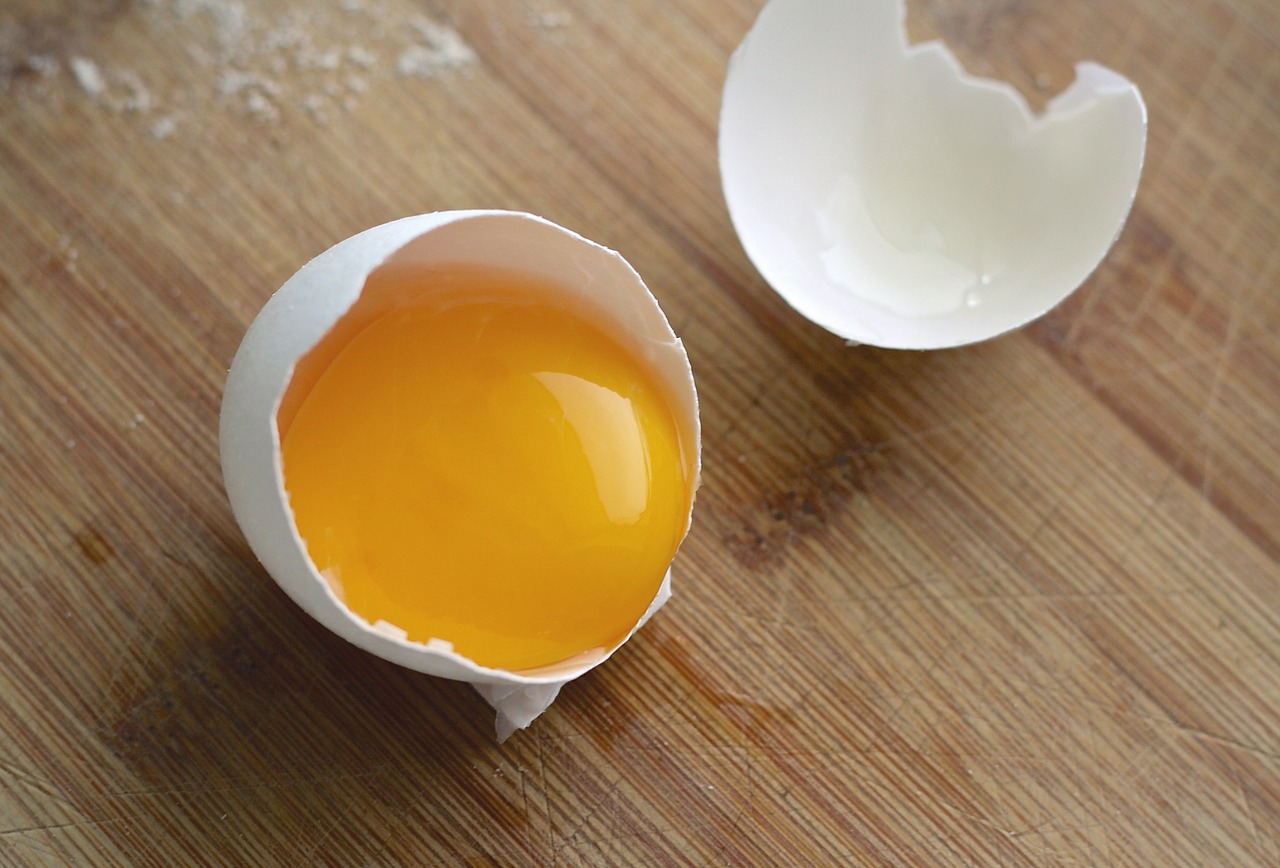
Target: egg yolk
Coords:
[[492, 470]]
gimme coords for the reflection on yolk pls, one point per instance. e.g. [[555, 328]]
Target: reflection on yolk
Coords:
[[494, 472]]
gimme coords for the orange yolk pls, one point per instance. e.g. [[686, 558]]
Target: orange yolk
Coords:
[[492, 470]]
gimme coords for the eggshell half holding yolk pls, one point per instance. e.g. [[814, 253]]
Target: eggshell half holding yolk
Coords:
[[366, 295]]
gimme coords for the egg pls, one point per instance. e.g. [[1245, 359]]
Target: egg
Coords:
[[896, 200], [467, 442]]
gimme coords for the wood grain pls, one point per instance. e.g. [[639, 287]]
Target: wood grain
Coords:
[[1016, 603]]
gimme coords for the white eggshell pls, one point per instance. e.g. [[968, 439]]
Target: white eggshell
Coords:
[[896, 200], [311, 302]]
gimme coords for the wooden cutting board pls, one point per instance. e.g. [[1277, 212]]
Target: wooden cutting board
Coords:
[[1016, 603]]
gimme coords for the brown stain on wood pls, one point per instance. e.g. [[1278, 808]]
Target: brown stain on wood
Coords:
[[801, 508], [94, 546]]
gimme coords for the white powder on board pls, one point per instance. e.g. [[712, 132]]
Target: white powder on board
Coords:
[[137, 98], [87, 75], [258, 105], [43, 65], [362, 57], [164, 127], [551, 20], [441, 49], [313, 60]]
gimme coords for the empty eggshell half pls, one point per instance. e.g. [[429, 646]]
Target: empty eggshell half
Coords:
[[896, 200], [317, 299]]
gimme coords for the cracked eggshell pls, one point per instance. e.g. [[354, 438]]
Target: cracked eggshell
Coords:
[[896, 200], [314, 300]]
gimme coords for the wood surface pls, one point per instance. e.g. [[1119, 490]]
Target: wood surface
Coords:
[[1011, 604]]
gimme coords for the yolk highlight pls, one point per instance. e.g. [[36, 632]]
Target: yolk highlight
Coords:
[[493, 471]]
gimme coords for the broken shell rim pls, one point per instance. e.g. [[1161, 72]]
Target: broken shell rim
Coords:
[[238, 430]]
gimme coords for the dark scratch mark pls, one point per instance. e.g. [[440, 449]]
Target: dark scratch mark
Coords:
[[54, 827], [1225, 741], [36, 783], [546, 799]]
